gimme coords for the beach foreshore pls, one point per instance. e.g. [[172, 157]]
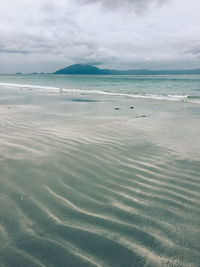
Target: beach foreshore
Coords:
[[98, 180]]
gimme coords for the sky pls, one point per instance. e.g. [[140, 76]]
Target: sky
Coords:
[[46, 35]]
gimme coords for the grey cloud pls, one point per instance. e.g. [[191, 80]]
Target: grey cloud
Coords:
[[139, 6], [194, 51], [13, 51], [50, 34]]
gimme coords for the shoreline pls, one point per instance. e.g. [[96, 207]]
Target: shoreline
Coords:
[[78, 173], [158, 115], [75, 91]]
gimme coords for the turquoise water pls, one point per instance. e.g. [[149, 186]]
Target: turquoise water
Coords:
[[167, 87]]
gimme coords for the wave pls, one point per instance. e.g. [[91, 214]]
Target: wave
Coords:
[[168, 97]]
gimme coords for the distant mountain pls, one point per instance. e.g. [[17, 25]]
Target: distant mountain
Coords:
[[89, 70], [79, 69]]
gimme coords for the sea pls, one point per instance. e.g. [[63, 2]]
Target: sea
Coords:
[[161, 87], [99, 170]]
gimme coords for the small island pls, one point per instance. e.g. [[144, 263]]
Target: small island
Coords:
[[84, 69]]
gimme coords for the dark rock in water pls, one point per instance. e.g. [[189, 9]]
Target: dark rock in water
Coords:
[[131, 107], [117, 108]]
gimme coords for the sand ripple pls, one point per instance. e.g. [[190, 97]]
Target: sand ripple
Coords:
[[88, 195]]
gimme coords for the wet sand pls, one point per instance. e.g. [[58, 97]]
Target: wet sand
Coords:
[[83, 183]]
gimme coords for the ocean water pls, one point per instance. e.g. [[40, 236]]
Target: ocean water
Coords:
[[85, 184], [166, 87]]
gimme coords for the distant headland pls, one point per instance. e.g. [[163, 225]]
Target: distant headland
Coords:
[[83, 69]]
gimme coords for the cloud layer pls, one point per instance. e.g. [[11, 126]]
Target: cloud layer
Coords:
[[47, 35], [139, 6]]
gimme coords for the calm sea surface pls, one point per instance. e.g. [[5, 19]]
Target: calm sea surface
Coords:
[[170, 87]]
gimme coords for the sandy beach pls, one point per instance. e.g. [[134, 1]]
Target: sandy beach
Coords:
[[83, 183]]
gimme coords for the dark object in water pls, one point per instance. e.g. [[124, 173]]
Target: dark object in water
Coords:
[[117, 108], [131, 107], [142, 116], [84, 100]]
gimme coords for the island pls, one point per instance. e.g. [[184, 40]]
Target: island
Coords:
[[84, 69]]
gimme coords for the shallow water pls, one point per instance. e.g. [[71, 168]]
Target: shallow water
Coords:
[[84, 184], [161, 87]]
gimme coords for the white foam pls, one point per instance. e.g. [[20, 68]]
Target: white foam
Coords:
[[83, 91], [29, 86]]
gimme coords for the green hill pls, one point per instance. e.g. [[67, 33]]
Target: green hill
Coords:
[[89, 70], [79, 69]]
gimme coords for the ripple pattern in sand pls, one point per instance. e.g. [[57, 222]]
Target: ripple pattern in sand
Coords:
[[77, 197]]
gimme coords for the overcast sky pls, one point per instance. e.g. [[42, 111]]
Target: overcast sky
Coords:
[[46, 35]]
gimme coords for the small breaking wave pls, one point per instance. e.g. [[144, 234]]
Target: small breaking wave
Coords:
[[51, 89]]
